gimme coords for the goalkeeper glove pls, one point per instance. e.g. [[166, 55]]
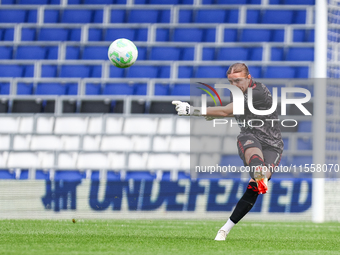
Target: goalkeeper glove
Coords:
[[185, 109]]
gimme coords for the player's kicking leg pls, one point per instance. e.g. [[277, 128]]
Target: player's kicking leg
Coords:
[[257, 185]]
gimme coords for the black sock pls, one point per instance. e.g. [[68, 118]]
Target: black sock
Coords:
[[255, 161], [246, 203]]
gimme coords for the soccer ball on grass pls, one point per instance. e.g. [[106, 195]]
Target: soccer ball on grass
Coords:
[[122, 53]]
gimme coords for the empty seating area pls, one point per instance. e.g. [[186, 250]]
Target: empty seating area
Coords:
[[65, 106]]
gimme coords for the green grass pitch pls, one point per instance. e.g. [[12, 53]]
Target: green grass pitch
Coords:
[[165, 237]]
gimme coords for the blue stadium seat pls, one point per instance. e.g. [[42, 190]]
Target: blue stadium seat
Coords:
[[4, 88], [116, 72], [302, 160], [188, 35], [144, 16], [113, 176], [231, 2], [299, 35], [55, 2], [93, 88], [72, 89], [209, 54], [24, 88], [310, 2], [6, 52], [187, 53], [185, 71], [235, 53], [118, 16], [142, 72], [31, 52], [162, 35], [185, 16], [74, 34], [230, 35], [42, 175], [164, 2], [162, 89], [34, 1], [302, 72], [97, 16], [72, 52], [304, 144], [52, 52], [53, 34], [118, 89], [8, 34], [76, 16], [142, 53], [310, 35], [299, 17], [305, 126], [233, 160], [141, 34], [11, 71], [23, 174], [140, 175], [31, 16], [51, 16], [180, 90], [140, 89], [210, 72], [112, 34], [28, 34], [255, 71], [6, 174], [300, 54], [50, 89], [48, 71], [29, 71], [99, 1], [165, 53], [96, 71], [71, 71], [277, 17], [277, 35], [216, 16], [164, 72], [7, 2], [255, 35], [95, 34], [277, 54], [253, 16], [69, 175], [95, 52], [279, 72], [255, 54], [12, 16]]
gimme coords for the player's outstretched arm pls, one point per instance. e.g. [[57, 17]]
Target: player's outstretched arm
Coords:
[[185, 109], [220, 111]]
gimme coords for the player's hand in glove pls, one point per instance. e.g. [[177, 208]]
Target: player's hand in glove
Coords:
[[185, 109]]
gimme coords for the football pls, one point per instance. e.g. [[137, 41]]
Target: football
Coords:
[[123, 53]]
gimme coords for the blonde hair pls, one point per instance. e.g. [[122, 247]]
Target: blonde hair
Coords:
[[238, 68]]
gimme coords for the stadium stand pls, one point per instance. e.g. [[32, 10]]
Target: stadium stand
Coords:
[[55, 52]]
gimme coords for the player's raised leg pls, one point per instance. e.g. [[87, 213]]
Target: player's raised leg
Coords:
[[258, 170]]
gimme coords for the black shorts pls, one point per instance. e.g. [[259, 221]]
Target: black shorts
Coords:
[[272, 156]]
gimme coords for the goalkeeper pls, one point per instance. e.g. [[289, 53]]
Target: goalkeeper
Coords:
[[259, 146]]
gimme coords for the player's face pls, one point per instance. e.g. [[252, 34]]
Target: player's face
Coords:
[[239, 80]]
